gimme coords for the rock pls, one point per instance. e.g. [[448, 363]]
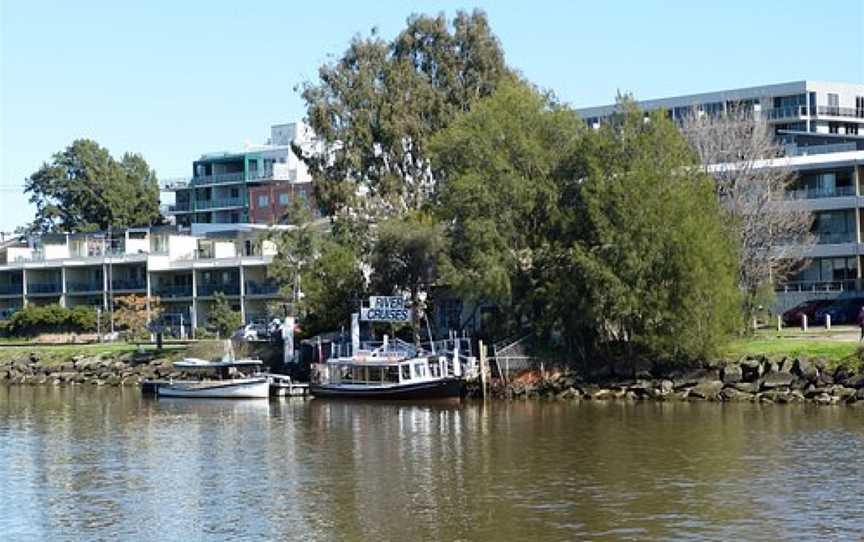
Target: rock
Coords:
[[751, 370], [806, 370], [842, 373], [775, 380], [602, 394], [823, 399], [795, 396], [787, 365], [747, 387], [843, 392], [732, 394], [859, 395], [666, 387], [569, 393], [775, 395], [732, 373], [854, 381], [771, 367], [709, 389]]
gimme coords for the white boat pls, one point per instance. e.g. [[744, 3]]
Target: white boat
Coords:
[[394, 370], [236, 379]]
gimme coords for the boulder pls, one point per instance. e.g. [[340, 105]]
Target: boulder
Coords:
[[666, 387], [843, 392], [855, 381], [806, 370], [732, 373], [842, 373], [775, 395], [747, 387], [569, 393], [787, 365], [776, 380], [732, 394], [824, 399], [708, 389]]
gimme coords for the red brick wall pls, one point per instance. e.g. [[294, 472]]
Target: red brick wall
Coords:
[[275, 208]]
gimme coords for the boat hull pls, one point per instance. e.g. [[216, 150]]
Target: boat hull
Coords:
[[257, 388], [435, 389]]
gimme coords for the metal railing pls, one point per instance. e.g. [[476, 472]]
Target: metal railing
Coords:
[[261, 288], [180, 208], [237, 176], [816, 193], [44, 288], [211, 289], [173, 291], [128, 284], [76, 287], [836, 111], [787, 112], [216, 203], [810, 150], [828, 238], [11, 289], [817, 286]]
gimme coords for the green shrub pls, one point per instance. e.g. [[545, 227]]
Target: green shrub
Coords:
[[34, 319]]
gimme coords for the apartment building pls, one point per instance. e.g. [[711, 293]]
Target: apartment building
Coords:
[[183, 267], [226, 186], [821, 127]]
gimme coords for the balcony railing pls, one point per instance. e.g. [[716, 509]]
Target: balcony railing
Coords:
[[816, 193], [173, 291], [11, 289], [184, 207], [128, 284], [44, 288], [829, 238], [835, 111], [261, 288], [817, 286], [811, 150], [787, 112], [211, 289], [75, 287], [216, 203], [218, 178]]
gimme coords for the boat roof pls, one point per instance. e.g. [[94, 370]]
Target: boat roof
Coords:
[[196, 363]]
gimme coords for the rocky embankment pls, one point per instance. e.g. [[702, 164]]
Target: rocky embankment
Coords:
[[753, 379], [98, 370]]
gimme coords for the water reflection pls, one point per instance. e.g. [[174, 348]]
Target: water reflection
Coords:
[[87, 463]]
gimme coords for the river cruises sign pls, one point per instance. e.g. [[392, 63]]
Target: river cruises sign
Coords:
[[385, 309]]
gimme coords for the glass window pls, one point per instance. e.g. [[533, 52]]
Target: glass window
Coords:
[[284, 199], [406, 372], [419, 370], [263, 201], [833, 100]]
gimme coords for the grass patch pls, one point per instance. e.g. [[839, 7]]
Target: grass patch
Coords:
[[65, 352], [831, 350]]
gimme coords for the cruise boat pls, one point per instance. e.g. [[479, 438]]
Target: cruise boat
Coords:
[[232, 379], [389, 370]]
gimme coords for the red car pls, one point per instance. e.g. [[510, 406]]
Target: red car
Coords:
[[792, 317]]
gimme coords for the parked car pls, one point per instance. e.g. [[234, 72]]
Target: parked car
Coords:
[[792, 317], [842, 311]]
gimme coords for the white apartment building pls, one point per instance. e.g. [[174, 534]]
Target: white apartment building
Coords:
[[183, 267], [821, 125]]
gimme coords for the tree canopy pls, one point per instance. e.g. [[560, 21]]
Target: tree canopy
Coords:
[[84, 188], [376, 106]]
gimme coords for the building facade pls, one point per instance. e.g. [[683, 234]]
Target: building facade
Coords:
[[225, 185], [821, 127], [182, 267]]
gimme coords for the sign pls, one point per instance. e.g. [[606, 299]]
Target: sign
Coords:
[[385, 309]]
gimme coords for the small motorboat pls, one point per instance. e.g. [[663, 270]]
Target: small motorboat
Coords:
[[234, 379]]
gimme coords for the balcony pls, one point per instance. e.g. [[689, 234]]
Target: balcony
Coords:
[[128, 284], [788, 112], [817, 286], [261, 288], [219, 203], [184, 207], [11, 289], [832, 238], [219, 178], [835, 111], [205, 290], [44, 288], [173, 291], [78, 287], [811, 150], [817, 193]]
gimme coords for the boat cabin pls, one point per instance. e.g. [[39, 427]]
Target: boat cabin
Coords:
[[385, 372]]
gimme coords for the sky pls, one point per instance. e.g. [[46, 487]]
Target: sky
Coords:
[[173, 80]]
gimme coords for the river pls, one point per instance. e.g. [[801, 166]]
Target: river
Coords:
[[107, 464]]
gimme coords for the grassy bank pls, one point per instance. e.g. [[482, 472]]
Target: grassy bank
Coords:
[[65, 352]]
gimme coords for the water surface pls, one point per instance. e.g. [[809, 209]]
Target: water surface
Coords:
[[107, 464]]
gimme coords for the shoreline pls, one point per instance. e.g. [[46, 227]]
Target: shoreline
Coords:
[[752, 379]]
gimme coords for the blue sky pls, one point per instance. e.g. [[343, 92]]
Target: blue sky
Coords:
[[172, 80]]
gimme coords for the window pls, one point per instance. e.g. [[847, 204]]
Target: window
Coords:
[[284, 199], [851, 129], [419, 370], [833, 127], [263, 201], [406, 371], [235, 192], [833, 100]]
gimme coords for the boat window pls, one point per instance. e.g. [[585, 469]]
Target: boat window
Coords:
[[419, 370], [375, 374], [435, 370], [391, 374], [406, 372]]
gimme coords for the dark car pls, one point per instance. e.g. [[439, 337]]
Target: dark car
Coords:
[[792, 317], [842, 311]]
